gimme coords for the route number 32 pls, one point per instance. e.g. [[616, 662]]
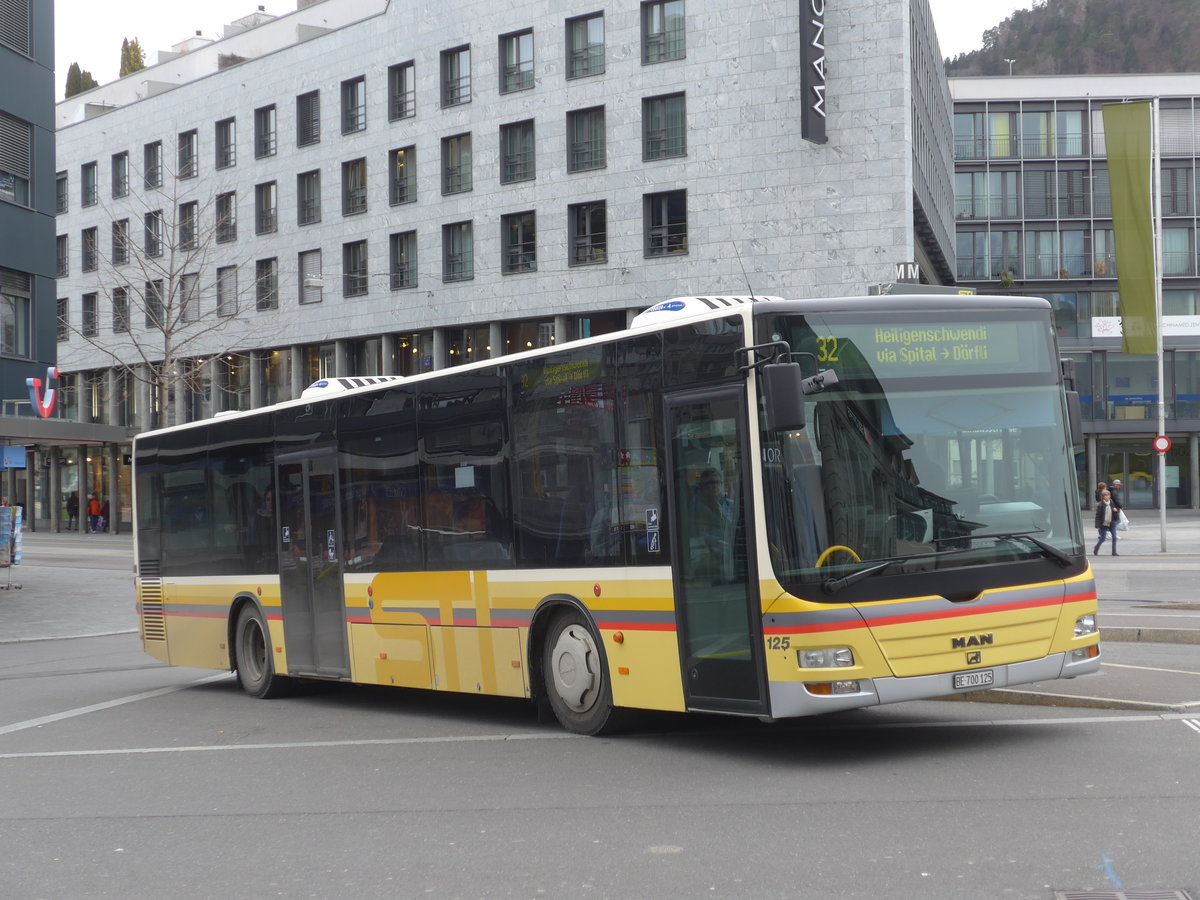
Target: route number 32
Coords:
[[827, 350]]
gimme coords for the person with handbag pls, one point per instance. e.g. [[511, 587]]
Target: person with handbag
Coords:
[[1108, 514]]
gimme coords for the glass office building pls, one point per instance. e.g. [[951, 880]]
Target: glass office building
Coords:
[[1033, 215]]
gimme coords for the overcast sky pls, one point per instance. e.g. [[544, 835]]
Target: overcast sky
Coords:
[[90, 31]]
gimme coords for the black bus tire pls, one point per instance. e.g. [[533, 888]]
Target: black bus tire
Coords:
[[576, 677], [255, 665]]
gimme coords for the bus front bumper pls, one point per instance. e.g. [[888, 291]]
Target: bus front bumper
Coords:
[[796, 699]]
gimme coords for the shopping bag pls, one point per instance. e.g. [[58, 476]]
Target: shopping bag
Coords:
[[1122, 521]]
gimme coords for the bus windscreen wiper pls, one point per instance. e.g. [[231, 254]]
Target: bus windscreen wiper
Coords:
[[1048, 550], [833, 585]]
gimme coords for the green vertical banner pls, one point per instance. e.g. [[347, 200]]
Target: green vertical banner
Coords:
[[1127, 139]]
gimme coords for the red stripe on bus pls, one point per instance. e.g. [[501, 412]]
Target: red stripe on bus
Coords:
[[883, 621]]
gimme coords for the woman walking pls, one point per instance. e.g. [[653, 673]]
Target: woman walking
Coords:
[[1108, 513]]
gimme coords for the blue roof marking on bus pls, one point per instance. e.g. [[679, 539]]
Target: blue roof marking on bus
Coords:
[[322, 383], [668, 306]]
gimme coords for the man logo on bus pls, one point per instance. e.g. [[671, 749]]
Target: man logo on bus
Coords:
[[974, 640], [44, 404]]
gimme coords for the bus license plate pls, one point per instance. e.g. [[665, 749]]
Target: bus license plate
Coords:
[[982, 678]]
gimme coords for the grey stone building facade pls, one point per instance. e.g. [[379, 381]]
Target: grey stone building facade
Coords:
[[398, 192]]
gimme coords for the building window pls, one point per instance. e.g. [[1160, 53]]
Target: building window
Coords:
[[266, 284], [456, 164], [88, 193], [189, 297], [666, 223], [226, 143], [62, 256], [518, 239], [89, 322], [227, 304], [1177, 252], [585, 46], [516, 51], [308, 197], [354, 269], [62, 320], [308, 119], [662, 31], [354, 187], [402, 101], [456, 76], [120, 242], [516, 152], [265, 212], [16, 160], [226, 217], [354, 105], [15, 298], [458, 252], [189, 147], [14, 25], [120, 310], [153, 306], [120, 174], [152, 164], [61, 196], [189, 223], [90, 248], [1177, 190], [588, 223], [264, 132], [153, 223], [311, 283], [664, 127], [402, 175], [585, 139], [403, 269]]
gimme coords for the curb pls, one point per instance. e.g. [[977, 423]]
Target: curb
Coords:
[[1045, 698], [1151, 635]]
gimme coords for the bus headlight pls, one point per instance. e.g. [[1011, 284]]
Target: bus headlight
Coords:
[[1085, 625], [825, 658]]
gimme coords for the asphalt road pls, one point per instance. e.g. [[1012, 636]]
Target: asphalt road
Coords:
[[121, 777]]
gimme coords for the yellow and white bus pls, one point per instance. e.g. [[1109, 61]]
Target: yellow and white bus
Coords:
[[773, 508]]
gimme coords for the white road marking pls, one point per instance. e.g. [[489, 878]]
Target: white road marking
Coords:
[[561, 735], [1111, 665], [1193, 724], [107, 704]]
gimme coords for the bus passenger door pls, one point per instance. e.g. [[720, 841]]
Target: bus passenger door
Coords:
[[716, 598], [310, 576]]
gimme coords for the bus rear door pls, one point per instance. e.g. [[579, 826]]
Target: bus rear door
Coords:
[[716, 601]]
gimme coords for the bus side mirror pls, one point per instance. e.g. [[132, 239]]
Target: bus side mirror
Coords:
[[1075, 418], [783, 390]]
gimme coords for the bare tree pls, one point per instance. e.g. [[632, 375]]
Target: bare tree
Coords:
[[178, 300]]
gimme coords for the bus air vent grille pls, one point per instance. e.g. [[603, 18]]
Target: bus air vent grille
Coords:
[[154, 626]]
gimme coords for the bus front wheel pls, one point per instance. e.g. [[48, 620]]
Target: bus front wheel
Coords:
[[576, 682], [255, 668]]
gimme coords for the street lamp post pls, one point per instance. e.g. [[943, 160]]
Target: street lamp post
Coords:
[[1010, 65]]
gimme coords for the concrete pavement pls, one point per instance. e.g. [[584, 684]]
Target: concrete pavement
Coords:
[[73, 585]]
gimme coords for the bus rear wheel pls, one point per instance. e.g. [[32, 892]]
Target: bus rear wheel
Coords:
[[575, 676], [255, 667]]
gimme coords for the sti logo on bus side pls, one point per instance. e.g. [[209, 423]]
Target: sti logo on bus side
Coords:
[[973, 640]]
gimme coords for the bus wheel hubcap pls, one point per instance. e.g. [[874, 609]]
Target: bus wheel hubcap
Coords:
[[574, 667]]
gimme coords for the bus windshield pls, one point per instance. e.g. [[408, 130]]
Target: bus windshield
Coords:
[[942, 446]]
